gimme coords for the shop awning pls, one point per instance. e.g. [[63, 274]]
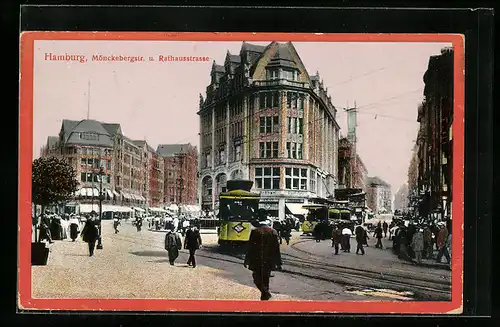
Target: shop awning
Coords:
[[110, 194], [87, 208], [173, 207], [296, 208], [139, 209]]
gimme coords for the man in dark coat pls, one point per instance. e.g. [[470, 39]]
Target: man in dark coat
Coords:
[[385, 227], [360, 239], [263, 256], [192, 242], [173, 244], [378, 234], [90, 234], [336, 238]]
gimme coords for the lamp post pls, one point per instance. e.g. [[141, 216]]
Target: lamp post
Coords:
[[101, 198]]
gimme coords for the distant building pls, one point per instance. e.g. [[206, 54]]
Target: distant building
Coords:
[[379, 195], [180, 173], [266, 119], [401, 198]]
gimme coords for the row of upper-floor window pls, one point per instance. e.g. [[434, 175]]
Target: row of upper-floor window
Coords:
[[271, 125], [269, 178], [95, 178], [221, 157], [89, 151], [294, 150], [279, 73], [266, 99]]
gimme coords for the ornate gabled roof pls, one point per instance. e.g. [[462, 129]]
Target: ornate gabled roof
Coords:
[[252, 47], [235, 59], [112, 128], [72, 132], [283, 57], [218, 68]]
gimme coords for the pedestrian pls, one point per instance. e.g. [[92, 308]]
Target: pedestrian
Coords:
[[74, 228], [402, 243], [360, 238], [263, 255], [45, 233], [346, 233], [336, 238], [385, 227], [138, 223], [378, 234], [441, 243], [365, 237], [116, 223], [278, 227], [90, 234], [192, 242], [428, 247], [287, 230], [185, 226], [172, 244], [417, 244]]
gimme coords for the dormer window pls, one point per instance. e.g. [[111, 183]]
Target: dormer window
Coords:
[[273, 74], [291, 75], [89, 136]]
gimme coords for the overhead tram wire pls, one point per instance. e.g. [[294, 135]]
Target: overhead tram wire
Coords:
[[315, 120]]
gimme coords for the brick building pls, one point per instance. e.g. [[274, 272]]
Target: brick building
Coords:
[[378, 195], [266, 119], [434, 140], [180, 163], [89, 145], [152, 175]]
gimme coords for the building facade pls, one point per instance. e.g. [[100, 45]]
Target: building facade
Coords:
[[131, 173], [401, 199], [352, 172], [434, 139], [379, 195], [266, 119], [180, 163]]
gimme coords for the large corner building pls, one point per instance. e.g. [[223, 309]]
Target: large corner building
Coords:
[[265, 118]]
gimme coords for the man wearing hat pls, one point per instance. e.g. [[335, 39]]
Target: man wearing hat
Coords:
[[263, 254], [441, 243]]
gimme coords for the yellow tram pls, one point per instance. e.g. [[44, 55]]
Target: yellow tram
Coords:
[[238, 207], [316, 213]]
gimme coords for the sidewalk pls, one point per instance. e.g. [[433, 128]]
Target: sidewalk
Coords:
[[133, 265]]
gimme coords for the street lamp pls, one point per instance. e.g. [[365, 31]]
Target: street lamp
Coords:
[[101, 198]]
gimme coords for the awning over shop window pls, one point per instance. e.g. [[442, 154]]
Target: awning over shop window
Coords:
[[113, 208], [139, 209], [296, 208], [87, 208], [154, 209]]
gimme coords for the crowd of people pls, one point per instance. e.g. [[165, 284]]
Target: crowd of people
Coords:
[[420, 241]]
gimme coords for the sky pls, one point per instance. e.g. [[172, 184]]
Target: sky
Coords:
[[158, 101]]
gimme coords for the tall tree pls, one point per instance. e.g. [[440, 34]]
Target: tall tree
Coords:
[[53, 181]]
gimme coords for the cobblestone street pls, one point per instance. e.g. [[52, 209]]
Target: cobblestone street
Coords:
[[134, 265]]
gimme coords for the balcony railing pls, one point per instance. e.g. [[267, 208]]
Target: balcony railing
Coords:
[[278, 82]]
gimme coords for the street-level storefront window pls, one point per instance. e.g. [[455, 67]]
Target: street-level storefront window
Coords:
[[267, 178], [296, 178]]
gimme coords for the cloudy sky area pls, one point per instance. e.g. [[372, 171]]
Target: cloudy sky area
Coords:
[[158, 101]]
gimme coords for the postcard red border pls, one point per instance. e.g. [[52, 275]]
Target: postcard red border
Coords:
[[25, 299]]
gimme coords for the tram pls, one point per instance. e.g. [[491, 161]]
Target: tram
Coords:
[[238, 207], [316, 213]]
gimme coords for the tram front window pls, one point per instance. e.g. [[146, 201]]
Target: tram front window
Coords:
[[238, 210]]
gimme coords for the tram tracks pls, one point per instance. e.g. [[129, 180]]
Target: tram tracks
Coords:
[[421, 288]]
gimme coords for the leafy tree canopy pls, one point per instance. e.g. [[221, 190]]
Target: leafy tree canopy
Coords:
[[53, 180]]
